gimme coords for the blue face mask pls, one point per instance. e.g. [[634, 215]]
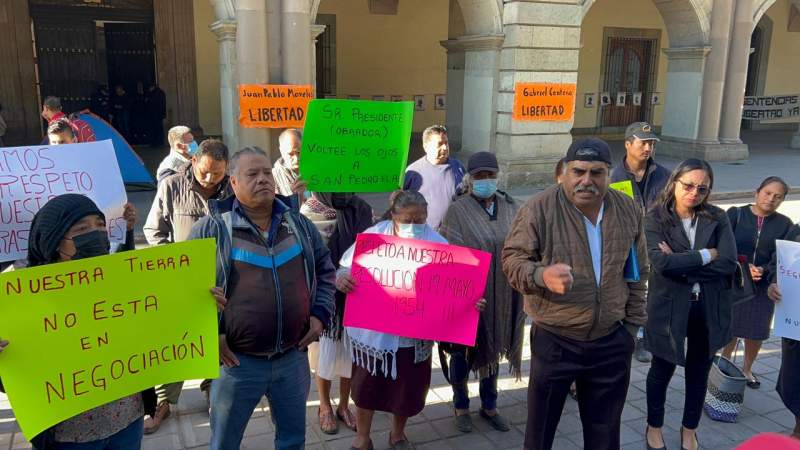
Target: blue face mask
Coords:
[[192, 148], [484, 188], [410, 230]]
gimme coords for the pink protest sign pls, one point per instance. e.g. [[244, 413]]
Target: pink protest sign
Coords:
[[416, 289]]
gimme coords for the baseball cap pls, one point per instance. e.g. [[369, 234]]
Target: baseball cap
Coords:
[[642, 131], [589, 149], [482, 161]]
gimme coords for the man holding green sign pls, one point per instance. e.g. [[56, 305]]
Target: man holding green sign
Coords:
[[366, 142], [97, 358]]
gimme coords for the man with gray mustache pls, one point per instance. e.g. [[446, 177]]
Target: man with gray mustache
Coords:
[[567, 252]]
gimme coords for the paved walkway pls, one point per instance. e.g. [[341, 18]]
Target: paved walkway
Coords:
[[434, 427]]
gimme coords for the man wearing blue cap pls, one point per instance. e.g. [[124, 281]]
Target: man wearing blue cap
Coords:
[[566, 253]]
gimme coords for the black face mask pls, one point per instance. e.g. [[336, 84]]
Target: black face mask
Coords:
[[91, 244], [339, 200]]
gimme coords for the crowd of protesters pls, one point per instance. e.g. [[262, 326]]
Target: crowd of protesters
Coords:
[[561, 258]]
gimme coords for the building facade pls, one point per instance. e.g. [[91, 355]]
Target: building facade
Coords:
[[683, 65]]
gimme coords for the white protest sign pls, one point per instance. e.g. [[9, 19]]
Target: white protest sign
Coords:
[[30, 176], [787, 312]]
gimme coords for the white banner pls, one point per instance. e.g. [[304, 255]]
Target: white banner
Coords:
[[771, 107], [30, 176], [787, 312]]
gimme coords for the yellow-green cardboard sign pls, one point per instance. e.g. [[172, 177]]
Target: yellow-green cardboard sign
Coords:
[[624, 186], [84, 333], [355, 145]]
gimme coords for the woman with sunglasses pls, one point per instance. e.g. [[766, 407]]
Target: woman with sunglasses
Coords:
[[692, 258]]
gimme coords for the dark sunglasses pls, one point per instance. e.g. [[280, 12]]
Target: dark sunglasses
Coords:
[[702, 189]]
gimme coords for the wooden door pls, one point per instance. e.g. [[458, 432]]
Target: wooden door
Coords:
[[629, 69], [130, 54]]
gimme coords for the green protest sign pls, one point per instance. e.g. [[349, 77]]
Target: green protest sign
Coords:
[[355, 145], [86, 332]]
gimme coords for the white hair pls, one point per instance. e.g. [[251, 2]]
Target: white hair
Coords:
[[176, 133]]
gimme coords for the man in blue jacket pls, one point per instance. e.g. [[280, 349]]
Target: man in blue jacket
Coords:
[[277, 277], [647, 178], [436, 176]]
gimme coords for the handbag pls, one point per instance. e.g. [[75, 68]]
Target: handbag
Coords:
[[725, 392], [743, 288]]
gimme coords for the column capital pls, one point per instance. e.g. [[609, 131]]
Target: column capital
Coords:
[[676, 53], [474, 43], [225, 30], [316, 30]]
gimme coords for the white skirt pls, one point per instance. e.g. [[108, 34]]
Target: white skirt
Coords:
[[330, 359]]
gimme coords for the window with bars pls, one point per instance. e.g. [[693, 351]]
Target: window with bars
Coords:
[[629, 78], [326, 56]]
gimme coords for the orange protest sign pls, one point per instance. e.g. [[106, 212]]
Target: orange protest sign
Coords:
[[540, 102], [273, 105]]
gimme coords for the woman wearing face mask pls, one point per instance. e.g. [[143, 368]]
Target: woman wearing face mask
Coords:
[[339, 217], [481, 219], [756, 227], [70, 227], [692, 258], [401, 366]]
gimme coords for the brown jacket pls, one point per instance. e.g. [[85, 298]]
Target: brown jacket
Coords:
[[549, 229]]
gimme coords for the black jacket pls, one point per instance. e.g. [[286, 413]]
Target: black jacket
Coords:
[[672, 277], [656, 178]]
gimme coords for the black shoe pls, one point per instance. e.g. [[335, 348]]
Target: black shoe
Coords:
[[497, 421], [753, 383], [647, 444], [464, 423], [640, 353]]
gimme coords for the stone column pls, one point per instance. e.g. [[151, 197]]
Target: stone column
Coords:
[[795, 142], [542, 42], [454, 115], [296, 41], [472, 82], [736, 78], [685, 70], [714, 78], [225, 30], [252, 64], [316, 30]]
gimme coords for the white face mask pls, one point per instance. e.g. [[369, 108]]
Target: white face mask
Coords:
[[410, 230]]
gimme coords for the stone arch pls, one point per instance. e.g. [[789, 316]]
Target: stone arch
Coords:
[[482, 17], [688, 22], [762, 6]]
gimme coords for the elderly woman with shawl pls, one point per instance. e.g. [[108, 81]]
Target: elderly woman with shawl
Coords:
[[339, 217], [480, 219], [390, 373]]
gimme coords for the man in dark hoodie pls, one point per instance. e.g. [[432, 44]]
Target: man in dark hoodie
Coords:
[[647, 178]]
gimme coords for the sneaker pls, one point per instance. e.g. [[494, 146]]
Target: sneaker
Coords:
[[640, 353], [464, 423], [153, 423], [497, 421]]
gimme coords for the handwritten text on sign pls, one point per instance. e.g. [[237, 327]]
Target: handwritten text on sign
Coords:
[[416, 289], [86, 332], [544, 102], [356, 145], [30, 176], [273, 105], [787, 312]]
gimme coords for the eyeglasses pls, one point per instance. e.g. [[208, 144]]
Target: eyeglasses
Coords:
[[702, 189]]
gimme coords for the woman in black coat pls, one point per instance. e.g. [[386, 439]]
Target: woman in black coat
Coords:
[[756, 227], [692, 259]]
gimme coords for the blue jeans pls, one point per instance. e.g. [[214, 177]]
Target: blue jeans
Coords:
[[285, 381], [459, 376], [129, 438]]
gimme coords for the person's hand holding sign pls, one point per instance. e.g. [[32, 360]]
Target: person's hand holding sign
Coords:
[[345, 283], [774, 292], [480, 305], [219, 296], [3, 344], [299, 187], [129, 215]]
